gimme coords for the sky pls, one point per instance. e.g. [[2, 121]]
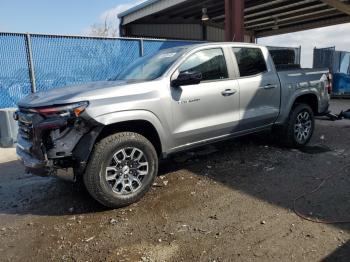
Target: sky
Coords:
[[56, 16], [74, 17]]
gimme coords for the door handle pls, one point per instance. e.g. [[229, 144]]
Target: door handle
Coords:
[[229, 92], [269, 86]]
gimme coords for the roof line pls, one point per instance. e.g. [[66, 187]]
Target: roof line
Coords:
[[136, 8]]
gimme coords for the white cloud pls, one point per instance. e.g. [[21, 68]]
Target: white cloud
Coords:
[[110, 17], [321, 37]]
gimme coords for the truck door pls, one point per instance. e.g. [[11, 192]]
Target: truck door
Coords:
[[209, 109], [259, 88]]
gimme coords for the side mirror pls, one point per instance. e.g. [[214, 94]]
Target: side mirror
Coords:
[[187, 78]]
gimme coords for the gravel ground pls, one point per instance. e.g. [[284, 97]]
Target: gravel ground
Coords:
[[231, 201]]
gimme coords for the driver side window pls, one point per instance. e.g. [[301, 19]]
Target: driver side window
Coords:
[[211, 63]]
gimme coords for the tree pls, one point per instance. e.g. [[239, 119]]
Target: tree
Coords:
[[108, 28], [110, 21]]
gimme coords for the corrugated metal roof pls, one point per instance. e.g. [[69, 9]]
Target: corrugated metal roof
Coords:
[[148, 8], [137, 7], [261, 17]]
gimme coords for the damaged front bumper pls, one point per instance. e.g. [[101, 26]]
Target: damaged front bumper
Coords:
[[33, 165], [46, 144]]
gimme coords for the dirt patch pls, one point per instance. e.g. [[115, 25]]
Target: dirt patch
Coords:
[[231, 201]]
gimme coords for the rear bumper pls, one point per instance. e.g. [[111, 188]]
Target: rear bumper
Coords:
[[323, 107], [323, 110]]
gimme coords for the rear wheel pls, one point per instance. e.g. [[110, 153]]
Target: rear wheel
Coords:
[[300, 126], [121, 170]]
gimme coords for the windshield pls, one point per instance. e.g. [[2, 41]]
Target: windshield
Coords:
[[151, 67]]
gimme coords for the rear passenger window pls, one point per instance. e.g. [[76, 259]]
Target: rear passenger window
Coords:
[[211, 63], [250, 61]]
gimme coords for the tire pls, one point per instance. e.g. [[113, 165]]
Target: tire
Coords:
[[127, 179], [290, 135]]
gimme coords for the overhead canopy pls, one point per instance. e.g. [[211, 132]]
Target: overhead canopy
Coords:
[[261, 18]]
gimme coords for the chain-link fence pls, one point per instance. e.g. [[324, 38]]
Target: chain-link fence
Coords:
[[33, 62], [14, 69], [36, 62], [344, 62], [338, 63], [324, 58]]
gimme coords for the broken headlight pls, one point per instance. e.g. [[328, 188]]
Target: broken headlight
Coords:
[[75, 109]]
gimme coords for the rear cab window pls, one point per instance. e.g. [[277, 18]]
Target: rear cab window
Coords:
[[250, 61], [210, 62]]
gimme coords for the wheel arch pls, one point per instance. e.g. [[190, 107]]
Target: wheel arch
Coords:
[[143, 122], [309, 99], [142, 127], [302, 97]]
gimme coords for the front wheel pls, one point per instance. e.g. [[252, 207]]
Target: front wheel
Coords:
[[121, 169], [300, 126]]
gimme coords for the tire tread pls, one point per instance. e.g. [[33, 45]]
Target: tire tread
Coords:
[[286, 133], [92, 175]]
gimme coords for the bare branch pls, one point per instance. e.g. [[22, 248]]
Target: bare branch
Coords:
[[108, 28]]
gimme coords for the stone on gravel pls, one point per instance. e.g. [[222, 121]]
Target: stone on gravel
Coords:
[[89, 239], [113, 221]]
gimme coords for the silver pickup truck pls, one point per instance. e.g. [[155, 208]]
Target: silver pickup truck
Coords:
[[111, 134]]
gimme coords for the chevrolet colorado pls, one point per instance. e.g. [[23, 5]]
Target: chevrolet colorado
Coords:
[[112, 133]]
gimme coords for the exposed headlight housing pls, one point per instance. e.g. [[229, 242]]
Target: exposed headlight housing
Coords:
[[75, 109]]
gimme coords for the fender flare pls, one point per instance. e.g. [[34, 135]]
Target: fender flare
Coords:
[[300, 94], [284, 116], [143, 115]]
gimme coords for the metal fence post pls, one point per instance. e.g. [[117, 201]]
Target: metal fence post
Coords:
[[142, 51], [314, 58], [30, 62]]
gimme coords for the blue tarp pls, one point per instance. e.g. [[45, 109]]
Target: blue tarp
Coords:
[[341, 84]]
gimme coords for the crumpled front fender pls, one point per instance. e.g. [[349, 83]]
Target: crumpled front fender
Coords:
[[130, 115]]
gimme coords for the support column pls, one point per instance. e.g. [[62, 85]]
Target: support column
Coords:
[[204, 32], [234, 20]]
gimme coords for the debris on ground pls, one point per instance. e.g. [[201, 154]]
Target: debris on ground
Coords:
[[90, 239], [230, 204]]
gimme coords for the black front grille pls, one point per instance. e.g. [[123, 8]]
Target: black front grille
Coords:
[[30, 135]]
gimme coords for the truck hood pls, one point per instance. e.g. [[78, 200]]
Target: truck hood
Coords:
[[78, 93]]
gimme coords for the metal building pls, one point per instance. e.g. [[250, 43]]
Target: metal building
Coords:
[[230, 20]]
